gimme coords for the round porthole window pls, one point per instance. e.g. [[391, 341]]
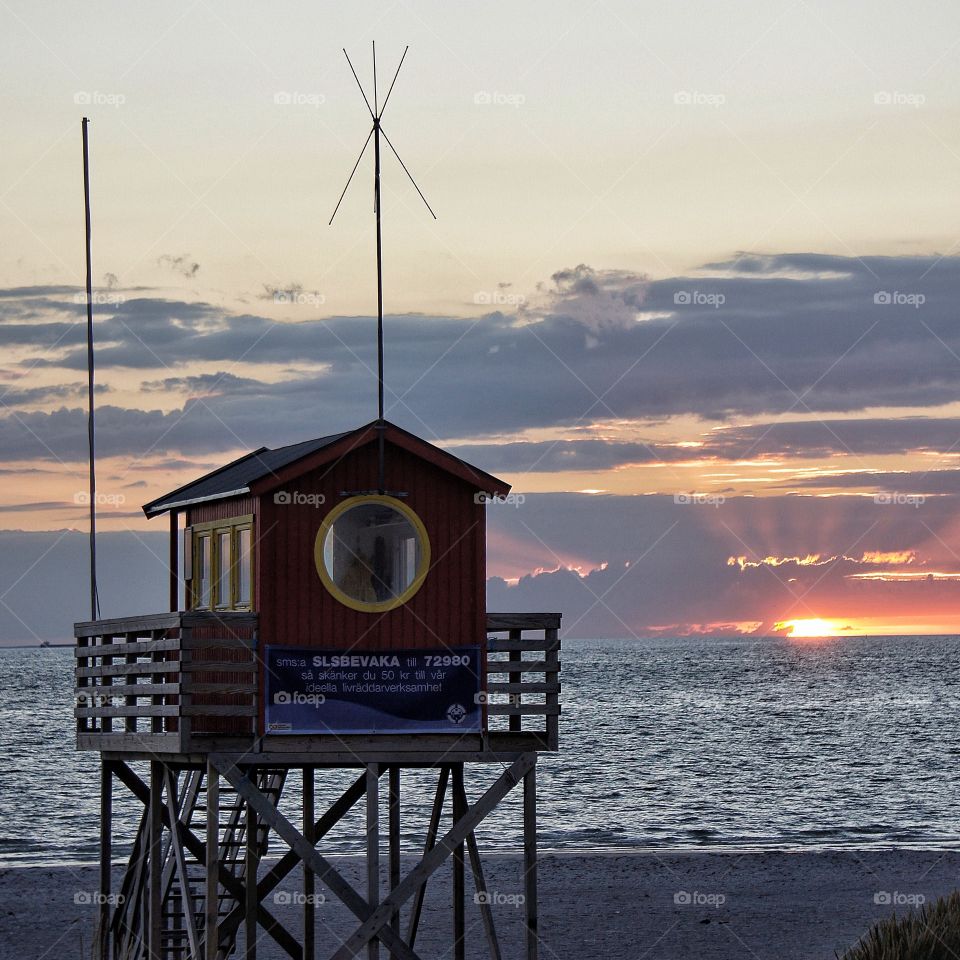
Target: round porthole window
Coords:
[[372, 553]]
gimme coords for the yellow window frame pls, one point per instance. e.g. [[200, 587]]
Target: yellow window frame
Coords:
[[214, 529]]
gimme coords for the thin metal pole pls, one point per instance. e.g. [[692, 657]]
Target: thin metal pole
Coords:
[[94, 599], [381, 482]]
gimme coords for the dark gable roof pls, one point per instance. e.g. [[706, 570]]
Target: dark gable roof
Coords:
[[238, 478], [235, 478]]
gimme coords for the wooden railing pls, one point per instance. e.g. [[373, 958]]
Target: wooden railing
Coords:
[[188, 682], [156, 682], [523, 675]]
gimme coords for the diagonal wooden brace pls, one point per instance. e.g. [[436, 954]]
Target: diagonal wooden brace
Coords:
[[322, 867], [289, 860], [377, 923], [197, 847]]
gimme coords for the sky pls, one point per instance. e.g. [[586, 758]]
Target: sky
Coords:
[[691, 289]]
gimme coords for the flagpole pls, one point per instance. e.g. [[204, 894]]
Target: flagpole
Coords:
[[92, 492]]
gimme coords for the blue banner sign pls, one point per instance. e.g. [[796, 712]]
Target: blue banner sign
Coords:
[[392, 691]]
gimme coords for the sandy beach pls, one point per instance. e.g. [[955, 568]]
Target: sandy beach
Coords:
[[611, 905]]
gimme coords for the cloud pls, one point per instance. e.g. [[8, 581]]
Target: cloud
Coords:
[[183, 264], [887, 482], [796, 333], [783, 440], [638, 566]]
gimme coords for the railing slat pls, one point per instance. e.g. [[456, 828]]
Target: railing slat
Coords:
[[505, 645]]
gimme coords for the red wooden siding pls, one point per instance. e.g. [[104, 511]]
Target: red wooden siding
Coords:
[[296, 609]]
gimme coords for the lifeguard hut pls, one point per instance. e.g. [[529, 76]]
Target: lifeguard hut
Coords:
[[334, 617]]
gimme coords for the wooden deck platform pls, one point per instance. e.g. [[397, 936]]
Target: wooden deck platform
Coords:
[[184, 685]]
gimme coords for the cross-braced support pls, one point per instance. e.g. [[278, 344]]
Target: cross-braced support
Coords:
[[194, 878]]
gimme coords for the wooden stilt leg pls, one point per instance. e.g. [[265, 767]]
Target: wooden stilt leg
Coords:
[[530, 859], [106, 855], [417, 906], [156, 875], [212, 935], [251, 899], [479, 883], [373, 848], [394, 818], [459, 918], [309, 884]]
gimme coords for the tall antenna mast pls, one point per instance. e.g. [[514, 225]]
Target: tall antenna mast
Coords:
[[94, 596], [376, 131]]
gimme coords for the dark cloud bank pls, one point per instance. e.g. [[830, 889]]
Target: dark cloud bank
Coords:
[[792, 334]]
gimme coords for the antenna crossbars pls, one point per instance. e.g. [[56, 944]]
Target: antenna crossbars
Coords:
[[376, 131]]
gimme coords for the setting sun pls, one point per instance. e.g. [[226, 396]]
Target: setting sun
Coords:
[[810, 628]]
